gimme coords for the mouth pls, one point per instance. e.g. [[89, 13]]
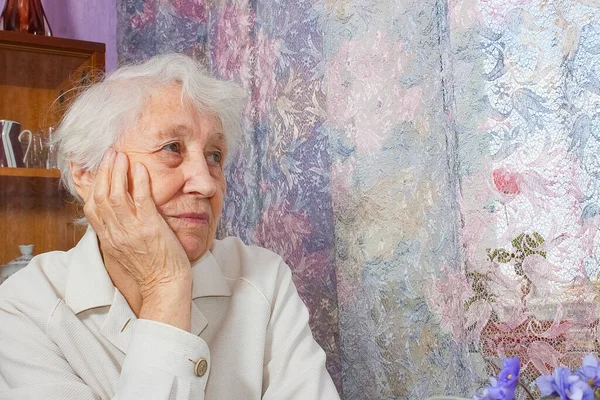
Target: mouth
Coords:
[[192, 218]]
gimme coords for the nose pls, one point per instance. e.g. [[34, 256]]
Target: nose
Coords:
[[198, 178]]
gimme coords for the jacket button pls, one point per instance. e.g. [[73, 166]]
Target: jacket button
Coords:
[[201, 367]]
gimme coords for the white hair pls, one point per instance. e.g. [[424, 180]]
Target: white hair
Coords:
[[100, 115]]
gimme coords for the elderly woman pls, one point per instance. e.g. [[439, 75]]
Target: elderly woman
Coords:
[[149, 305]]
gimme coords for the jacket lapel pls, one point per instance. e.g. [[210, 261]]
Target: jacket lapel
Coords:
[[89, 286], [208, 281]]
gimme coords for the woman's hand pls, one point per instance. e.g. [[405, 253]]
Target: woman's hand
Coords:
[[136, 237]]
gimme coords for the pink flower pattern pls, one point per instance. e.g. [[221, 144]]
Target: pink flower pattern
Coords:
[[392, 148]]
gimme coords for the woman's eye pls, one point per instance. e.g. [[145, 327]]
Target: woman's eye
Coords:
[[214, 157], [173, 147]]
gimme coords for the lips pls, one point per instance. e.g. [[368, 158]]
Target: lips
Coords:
[[193, 218]]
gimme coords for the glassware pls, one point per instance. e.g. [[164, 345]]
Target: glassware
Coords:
[[12, 152], [34, 153], [17, 263], [51, 151], [25, 16], [39, 10]]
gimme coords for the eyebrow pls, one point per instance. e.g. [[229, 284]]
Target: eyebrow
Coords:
[[220, 137], [174, 131], [179, 131]]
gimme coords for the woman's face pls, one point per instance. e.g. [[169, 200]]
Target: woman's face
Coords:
[[183, 152]]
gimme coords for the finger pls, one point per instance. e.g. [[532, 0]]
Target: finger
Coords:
[[119, 175], [93, 216], [142, 196], [89, 210], [120, 199], [101, 186], [103, 205], [97, 193]]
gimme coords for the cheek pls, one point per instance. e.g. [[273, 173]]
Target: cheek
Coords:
[[164, 182], [219, 177], [216, 206], [218, 198], [164, 187]]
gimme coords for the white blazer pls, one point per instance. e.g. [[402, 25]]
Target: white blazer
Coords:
[[67, 333]]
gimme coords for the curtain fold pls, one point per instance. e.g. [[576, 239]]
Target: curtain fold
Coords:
[[427, 168]]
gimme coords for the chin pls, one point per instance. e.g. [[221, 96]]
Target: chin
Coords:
[[195, 240], [194, 246]]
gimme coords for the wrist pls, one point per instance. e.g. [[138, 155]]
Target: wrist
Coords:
[[169, 303], [166, 288]]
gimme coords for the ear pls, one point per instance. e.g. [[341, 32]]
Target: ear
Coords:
[[83, 180]]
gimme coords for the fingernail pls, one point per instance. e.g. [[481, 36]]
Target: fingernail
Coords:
[[138, 167], [108, 154]]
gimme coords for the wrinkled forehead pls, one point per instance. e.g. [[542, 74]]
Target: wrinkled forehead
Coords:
[[161, 99], [168, 112]]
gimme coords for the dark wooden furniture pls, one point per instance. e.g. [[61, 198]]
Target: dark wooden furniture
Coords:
[[39, 76]]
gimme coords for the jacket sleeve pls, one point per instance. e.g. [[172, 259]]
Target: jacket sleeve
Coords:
[[160, 364], [294, 363], [157, 364]]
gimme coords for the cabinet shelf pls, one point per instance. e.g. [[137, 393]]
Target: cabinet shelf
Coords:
[[30, 172], [39, 77], [44, 61]]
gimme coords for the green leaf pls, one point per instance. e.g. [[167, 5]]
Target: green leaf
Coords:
[[516, 242], [531, 243], [503, 256], [493, 255], [539, 238]]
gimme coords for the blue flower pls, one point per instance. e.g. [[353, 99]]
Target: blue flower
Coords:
[[590, 371], [564, 384], [504, 387]]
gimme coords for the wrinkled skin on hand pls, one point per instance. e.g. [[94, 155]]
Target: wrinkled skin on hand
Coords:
[[130, 230]]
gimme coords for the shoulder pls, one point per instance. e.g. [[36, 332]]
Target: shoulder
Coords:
[[254, 265], [35, 290]]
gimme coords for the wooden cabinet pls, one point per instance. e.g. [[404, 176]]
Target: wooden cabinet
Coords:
[[39, 76]]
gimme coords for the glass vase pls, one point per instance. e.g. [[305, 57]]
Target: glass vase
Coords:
[[25, 16]]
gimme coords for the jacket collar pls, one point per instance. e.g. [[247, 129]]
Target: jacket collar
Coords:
[[88, 286]]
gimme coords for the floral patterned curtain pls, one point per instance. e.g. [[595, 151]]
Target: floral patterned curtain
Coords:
[[428, 168]]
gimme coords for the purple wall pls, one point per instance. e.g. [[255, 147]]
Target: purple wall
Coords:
[[95, 21]]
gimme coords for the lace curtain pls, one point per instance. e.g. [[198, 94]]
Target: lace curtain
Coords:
[[428, 168]]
